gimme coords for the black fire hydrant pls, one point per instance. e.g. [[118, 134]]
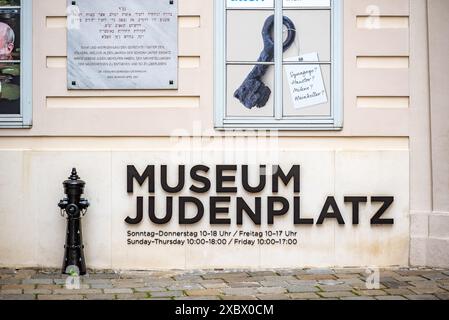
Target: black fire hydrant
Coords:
[[74, 208]]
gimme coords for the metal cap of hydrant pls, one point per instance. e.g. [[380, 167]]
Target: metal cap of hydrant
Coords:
[[74, 208]]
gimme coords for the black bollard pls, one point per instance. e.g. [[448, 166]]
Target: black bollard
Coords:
[[74, 207]]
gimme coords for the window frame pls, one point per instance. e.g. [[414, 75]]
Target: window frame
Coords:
[[306, 123], [24, 119]]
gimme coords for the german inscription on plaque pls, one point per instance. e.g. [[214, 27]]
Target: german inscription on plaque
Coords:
[[117, 44]]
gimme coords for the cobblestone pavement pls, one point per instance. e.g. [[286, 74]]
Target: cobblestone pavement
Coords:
[[307, 284]]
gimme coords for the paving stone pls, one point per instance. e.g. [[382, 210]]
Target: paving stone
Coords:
[[159, 283], [38, 281], [336, 294], [17, 297], [435, 276], [10, 281], [37, 291], [214, 285], [149, 289], [411, 272], [104, 276], [442, 296], [335, 288], [195, 298], [60, 281], [349, 270], [317, 277], [303, 296], [262, 273], [312, 283], [239, 291], [357, 298], [273, 283], [244, 284], [388, 274], [300, 289], [398, 292], [347, 275], [272, 290], [395, 298], [362, 286], [46, 276], [421, 297], [238, 298], [204, 292], [225, 275], [10, 291], [186, 286], [211, 281], [424, 291], [248, 279], [118, 290], [166, 294], [320, 271], [48, 286], [279, 278], [331, 282], [128, 285], [289, 272], [18, 286], [409, 278], [395, 284], [134, 296], [424, 284], [188, 277], [371, 293], [272, 297], [100, 297], [80, 291], [59, 297], [101, 286], [97, 281]]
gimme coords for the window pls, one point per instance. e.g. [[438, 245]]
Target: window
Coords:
[[294, 84], [15, 63]]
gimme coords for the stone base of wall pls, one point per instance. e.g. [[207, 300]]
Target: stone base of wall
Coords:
[[430, 239]]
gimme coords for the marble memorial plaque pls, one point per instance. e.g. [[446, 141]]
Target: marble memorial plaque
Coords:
[[116, 44]]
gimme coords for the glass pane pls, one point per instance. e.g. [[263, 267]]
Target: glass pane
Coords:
[[9, 34], [307, 90], [8, 3], [313, 35], [255, 97], [9, 88], [268, 4], [306, 3], [244, 34]]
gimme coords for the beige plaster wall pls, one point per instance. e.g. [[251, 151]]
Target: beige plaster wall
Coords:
[[377, 94]]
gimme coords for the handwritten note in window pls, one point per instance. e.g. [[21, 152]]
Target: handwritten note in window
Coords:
[[306, 82]]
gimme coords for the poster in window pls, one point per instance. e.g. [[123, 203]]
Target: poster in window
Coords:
[[9, 59]]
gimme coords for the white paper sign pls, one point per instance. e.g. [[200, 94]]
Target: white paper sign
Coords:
[[306, 82], [250, 3]]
